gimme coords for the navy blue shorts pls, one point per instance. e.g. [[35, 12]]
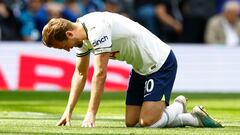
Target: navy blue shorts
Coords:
[[154, 87]]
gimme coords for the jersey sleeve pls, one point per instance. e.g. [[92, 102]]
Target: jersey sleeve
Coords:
[[100, 38], [84, 50]]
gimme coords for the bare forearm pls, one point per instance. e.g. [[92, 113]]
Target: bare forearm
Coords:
[[77, 86], [96, 92]]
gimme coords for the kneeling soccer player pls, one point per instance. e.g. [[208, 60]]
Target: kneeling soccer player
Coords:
[[112, 36]]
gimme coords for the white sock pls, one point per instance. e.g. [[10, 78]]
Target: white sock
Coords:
[[169, 115], [185, 119], [173, 110]]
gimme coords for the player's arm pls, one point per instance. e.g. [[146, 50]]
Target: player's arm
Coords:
[[97, 88], [77, 86]]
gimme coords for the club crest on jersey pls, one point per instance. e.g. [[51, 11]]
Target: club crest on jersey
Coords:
[[99, 41]]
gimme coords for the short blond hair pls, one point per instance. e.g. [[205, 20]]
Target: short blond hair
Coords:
[[55, 30]]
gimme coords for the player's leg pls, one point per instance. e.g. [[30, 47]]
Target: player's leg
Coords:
[[167, 115], [185, 119], [158, 87], [132, 115], [134, 99], [198, 118], [151, 113]]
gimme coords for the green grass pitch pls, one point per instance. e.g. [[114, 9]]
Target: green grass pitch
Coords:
[[37, 113]]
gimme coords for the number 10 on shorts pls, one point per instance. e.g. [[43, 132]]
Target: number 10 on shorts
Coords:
[[149, 85]]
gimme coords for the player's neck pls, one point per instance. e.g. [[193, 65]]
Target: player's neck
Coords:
[[81, 31]]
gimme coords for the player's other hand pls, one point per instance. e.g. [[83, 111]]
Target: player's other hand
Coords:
[[65, 119], [89, 120]]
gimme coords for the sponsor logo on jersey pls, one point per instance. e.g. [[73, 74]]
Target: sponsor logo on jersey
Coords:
[[99, 41]]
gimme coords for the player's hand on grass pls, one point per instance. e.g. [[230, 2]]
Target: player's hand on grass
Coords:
[[65, 119], [89, 120]]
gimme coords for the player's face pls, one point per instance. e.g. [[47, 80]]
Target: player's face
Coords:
[[68, 44]]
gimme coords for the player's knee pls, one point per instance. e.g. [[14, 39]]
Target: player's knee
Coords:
[[145, 122], [130, 123]]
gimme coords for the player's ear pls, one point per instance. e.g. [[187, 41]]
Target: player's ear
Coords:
[[69, 34]]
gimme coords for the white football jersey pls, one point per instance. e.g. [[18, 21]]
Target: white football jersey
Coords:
[[125, 39]]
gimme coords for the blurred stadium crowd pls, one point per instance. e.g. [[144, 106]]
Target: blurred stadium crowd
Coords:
[[174, 21]]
